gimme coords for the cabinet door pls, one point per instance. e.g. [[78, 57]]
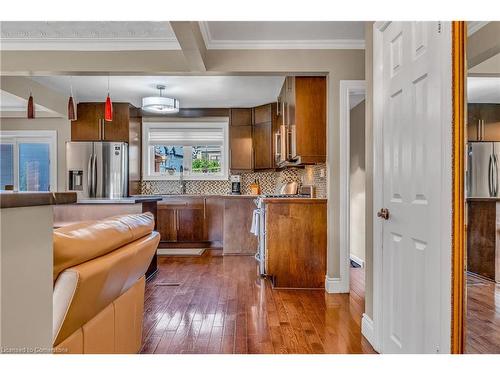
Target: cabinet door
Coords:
[[118, 129], [166, 223], [310, 118], [240, 148], [214, 220], [237, 224], [190, 224], [87, 125], [262, 145]]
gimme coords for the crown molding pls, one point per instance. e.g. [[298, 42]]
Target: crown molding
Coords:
[[211, 43], [473, 26], [88, 44]]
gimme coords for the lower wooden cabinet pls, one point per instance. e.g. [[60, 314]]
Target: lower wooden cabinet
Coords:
[[213, 222], [182, 220], [296, 235], [237, 225]]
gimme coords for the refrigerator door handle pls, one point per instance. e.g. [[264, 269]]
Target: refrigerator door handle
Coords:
[[495, 175], [90, 175], [489, 176], [94, 171]]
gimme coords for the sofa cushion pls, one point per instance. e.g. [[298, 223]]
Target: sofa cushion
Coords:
[[78, 243]]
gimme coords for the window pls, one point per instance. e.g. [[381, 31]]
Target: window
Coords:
[[28, 160], [197, 149]]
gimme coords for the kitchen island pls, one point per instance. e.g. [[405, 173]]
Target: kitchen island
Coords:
[[26, 261]]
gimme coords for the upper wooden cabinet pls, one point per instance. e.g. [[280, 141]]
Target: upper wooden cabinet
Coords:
[[264, 141], [483, 122], [240, 139], [90, 124], [302, 120]]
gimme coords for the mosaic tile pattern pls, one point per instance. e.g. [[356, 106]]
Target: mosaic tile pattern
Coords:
[[269, 182]]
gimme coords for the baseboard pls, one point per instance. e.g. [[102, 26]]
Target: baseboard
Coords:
[[335, 285], [357, 260], [368, 330]]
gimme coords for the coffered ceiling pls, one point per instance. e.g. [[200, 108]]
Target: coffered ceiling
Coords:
[[112, 36]]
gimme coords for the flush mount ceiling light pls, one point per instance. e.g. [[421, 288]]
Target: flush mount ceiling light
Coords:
[[160, 104]]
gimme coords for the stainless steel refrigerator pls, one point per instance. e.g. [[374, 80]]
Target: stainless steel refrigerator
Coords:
[[482, 169], [97, 169]]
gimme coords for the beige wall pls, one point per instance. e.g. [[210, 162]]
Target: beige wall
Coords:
[[369, 169], [357, 181], [60, 125], [336, 64]]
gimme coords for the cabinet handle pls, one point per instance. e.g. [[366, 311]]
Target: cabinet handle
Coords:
[[204, 208], [103, 130], [230, 158], [177, 220]]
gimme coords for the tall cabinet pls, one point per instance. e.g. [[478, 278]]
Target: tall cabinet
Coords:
[[90, 126]]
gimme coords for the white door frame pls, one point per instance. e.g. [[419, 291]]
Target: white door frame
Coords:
[[347, 87], [375, 335]]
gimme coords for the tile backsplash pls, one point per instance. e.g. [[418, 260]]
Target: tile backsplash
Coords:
[[269, 182]]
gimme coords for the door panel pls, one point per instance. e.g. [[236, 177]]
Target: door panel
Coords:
[[262, 140], [240, 139], [190, 227], [166, 223], [412, 135]]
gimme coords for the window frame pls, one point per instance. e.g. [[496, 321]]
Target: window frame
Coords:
[[15, 137], [148, 154]]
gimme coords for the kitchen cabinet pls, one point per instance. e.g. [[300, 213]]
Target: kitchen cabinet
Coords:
[[214, 220], [240, 139], [125, 127], [483, 122], [90, 124], [302, 120], [237, 225], [265, 124], [296, 237], [483, 241], [182, 220]]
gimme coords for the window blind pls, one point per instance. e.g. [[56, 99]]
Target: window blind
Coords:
[[186, 136]]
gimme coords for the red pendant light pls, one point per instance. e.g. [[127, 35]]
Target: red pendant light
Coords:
[[31, 107], [108, 108], [71, 105]]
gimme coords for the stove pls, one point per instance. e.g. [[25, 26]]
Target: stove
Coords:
[[284, 196]]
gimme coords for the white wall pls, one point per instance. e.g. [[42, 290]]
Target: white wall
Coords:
[[357, 181], [63, 128]]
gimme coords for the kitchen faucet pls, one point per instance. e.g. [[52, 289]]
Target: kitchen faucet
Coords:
[[181, 180]]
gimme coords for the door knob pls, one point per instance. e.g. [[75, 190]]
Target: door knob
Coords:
[[383, 213]]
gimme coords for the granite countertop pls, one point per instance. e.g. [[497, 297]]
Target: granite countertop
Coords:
[[295, 200], [485, 199], [12, 199], [126, 200]]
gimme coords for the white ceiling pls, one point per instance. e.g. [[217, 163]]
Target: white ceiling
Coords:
[[483, 89], [133, 35], [191, 91], [91, 36], [282, 34]]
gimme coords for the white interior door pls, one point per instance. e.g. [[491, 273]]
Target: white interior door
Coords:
[[412, 188]]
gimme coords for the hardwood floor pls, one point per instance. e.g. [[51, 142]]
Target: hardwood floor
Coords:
[[483, 316], [218, 304]]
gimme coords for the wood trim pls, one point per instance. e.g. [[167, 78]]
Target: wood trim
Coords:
[[458, 300]]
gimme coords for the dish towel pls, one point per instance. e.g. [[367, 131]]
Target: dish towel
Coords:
[[255, 222]]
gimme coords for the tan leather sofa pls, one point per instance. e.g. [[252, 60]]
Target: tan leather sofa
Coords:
[[98, 299]]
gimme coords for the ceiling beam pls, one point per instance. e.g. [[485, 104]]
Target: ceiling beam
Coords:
[[42, 95], [483, 44], [193, 47]]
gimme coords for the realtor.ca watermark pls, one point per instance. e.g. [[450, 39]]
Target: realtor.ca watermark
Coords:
[[31, 350]]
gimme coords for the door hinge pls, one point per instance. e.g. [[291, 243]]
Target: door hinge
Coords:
[[437, 349], [439, 27]]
